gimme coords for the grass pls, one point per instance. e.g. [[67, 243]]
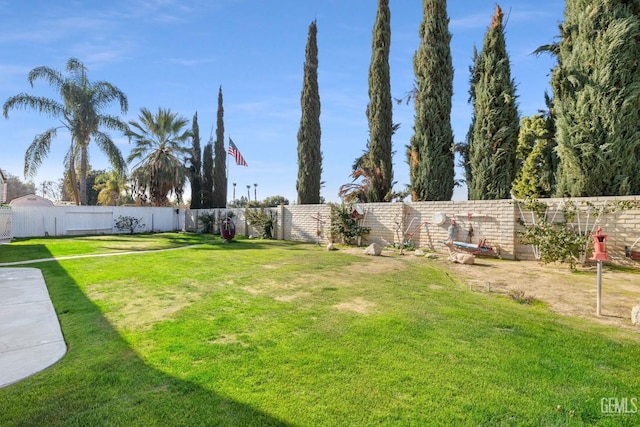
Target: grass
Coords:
[[279, 333]]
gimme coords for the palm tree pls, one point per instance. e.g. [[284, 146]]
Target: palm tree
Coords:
[[112, 188], [234, 191], [160, 152], [248, 193], [255, 192], [80, 111]]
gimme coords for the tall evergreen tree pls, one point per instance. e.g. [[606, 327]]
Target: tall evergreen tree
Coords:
[[380, 110], [220, 160], [309, 153], [195, 168], [493, 136], [207, 175], [430, 153], [596, 85]]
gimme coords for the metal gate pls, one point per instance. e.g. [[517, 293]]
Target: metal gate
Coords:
[[6, 215]]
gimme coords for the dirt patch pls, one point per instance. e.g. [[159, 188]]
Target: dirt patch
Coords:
[[566, 292], [571, 293], [292, 297], [357, 305]]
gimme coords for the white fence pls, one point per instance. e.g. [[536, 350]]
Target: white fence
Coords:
[[30, 221]]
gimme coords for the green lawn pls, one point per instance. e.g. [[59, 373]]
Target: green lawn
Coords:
[[277, 333]]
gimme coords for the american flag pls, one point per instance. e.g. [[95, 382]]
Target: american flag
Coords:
[[233, 150]]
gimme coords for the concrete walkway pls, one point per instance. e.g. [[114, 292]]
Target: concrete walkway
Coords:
[[30, 335]]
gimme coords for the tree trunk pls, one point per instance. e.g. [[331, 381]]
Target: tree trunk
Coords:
[[83, 175]]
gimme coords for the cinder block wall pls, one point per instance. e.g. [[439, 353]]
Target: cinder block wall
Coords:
[[496, 221]]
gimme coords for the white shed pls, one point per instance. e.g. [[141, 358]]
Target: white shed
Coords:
[[31, 200]]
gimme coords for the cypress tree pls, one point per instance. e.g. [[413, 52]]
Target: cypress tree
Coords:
[[596, 85], [207, 175], [430, 153], [379, 110], [195, 168], [309, 153], [220, 160], [493, 136]]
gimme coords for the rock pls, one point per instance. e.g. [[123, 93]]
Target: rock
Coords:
[[461, 258], [418, 252], [635, 315], [373, 249], [330, 247], [431, 256]]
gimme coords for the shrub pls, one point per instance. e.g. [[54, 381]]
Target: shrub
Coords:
[[567, 240], [207, 222], [344, 226], [262, 219]]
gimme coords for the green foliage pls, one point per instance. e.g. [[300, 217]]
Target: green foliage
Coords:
[[264, 220], [309, 152], [430, 154], [380, 110], [208, 220], [195, 165], [112, 189], [566, 239], [490, 160], [556, 242], [596, 85], [160, 154], [344, 226], [129, 223], [207, 176], [219, 196], [536, 159], [81, 110], [273, 201]]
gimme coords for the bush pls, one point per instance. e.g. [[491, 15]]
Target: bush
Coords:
[[207, 222], [344, 226], [262, 219], [128, 223]]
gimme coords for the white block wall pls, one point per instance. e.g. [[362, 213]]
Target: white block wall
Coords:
[[497, 221]]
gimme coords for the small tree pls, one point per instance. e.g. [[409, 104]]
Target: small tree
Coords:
[[129, 223], [344, 225], [265, 220], [564, 234]]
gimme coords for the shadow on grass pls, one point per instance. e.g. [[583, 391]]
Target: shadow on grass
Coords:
[[102, 381]]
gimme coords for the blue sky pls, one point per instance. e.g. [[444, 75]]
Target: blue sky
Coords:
[[177, 53]]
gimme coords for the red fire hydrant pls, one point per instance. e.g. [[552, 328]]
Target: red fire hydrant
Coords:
[[599, 246]]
